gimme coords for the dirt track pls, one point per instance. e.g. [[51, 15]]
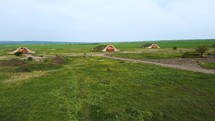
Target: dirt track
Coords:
[[190, 67], [183, 64]]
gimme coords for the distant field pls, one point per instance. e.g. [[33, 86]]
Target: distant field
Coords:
[[168, 44], [96, 89]]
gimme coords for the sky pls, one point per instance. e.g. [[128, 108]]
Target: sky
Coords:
[[106, 20]]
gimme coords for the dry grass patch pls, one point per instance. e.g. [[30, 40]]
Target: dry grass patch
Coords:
[[19, 77]]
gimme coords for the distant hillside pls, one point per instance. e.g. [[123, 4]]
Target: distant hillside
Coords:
[[34, 42]]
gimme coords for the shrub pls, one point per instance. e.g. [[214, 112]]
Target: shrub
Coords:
[[185, 55], [29, 58], [174, 48], [201, 50], [18, 53]]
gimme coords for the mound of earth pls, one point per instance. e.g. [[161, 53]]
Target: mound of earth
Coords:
[[37, 67], [98, 48], [58, 60], [13, 62]]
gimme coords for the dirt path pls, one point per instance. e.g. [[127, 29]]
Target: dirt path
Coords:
[[183, 64], [182, 67]]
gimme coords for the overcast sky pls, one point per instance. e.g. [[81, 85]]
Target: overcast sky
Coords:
[[106, 20]]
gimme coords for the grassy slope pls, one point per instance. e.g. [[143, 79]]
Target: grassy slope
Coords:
[[98, 89], [151, 54]]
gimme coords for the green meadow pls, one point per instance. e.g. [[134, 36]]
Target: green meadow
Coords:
[[122, 46], [79, 88]]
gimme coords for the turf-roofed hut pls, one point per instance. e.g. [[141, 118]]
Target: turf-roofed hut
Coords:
[[23, 50], [105, 48], [153, 46]]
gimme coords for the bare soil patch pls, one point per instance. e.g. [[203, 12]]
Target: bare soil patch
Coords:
[[180, 63]]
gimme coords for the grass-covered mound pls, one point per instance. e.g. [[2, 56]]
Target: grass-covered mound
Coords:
[[19, 65], [59, 60], [37, 67], [98, 48], [13, 62], [50, 64]]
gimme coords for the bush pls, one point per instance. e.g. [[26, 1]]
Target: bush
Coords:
[[18, 53], [174, 48], [29, 58], [185, 55], [201, 50]]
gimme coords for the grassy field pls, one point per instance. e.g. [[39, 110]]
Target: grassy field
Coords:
[[123, 46], [152, 53], [96, 89]]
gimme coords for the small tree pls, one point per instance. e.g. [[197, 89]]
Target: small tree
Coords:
[[174, 48], [201, 50]]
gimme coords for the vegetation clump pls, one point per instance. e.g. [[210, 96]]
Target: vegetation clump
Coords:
[[201, 50], [174, 48], [190, 55], [29, 58], [18, 53]]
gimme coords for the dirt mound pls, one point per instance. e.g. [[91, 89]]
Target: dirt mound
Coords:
[[13, 62], [37, 67], [58, 60]]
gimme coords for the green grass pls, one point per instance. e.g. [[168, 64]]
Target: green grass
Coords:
[[96, 89], [147, 55], [208, 65], [152, 53], [122, 46], [166, 44]]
